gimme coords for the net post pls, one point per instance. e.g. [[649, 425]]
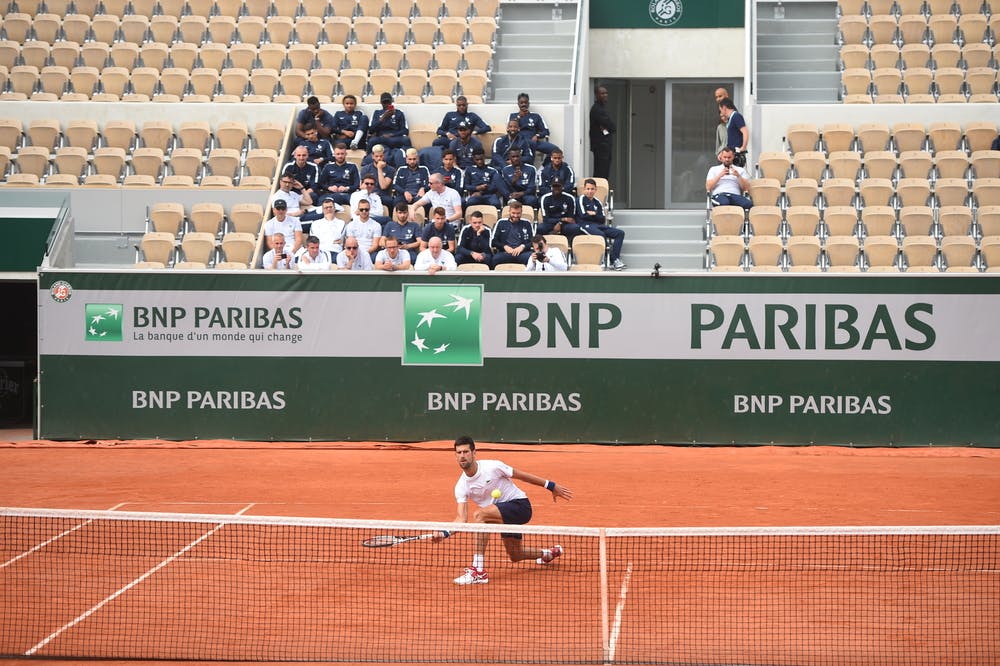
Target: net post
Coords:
[[603, 559]]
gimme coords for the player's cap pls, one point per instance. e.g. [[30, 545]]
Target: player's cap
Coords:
[[281, 204], [463, 125], [386, 97]]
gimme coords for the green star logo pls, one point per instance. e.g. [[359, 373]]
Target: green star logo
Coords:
[[441, 324], [104, 322]]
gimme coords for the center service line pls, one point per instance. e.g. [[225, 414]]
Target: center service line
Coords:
[[616, 627], [97, 607]]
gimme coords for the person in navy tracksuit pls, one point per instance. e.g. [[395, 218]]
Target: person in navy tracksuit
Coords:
[[512, 238], [590, 217]]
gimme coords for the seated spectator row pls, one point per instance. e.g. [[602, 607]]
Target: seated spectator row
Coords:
[[263, 8], [900, 7], [849, 221], [211, 218], [249, 30], [904, 136], [919, 85], [849, 254]]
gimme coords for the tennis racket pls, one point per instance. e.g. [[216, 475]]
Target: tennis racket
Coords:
[[386, 540]]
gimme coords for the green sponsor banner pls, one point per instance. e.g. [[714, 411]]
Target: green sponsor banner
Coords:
[[854, 360], [667, 14]]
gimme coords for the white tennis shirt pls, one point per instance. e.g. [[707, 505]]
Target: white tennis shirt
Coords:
[[489, 475]]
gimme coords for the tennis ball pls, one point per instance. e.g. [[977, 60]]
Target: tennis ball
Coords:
[[495, 494]]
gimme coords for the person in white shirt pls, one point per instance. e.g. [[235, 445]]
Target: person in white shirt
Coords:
[[367, 193], [726, 183], [288, 226], [435, 258], [545, 258], [440, 196], [330, 230], [477, 483], [352, 258], [313, 259], [277, 259], [296, 204], [392, 258], [366, 230]]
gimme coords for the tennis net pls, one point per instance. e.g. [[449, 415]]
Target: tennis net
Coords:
[[125, 585]]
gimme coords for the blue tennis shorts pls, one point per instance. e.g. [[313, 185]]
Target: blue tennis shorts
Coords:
[[515, 512]]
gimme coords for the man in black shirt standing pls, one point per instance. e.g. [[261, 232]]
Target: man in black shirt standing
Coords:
[[602, 128]]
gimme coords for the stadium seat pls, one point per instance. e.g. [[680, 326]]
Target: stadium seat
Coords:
[[955, 221], [239, 247], [148, 162], [919, 251], [881, 164], [958, 251], [443, 81], [246, 218], [109, 161], [913, 192], [138, 180], [423, 29], [838, 191], [856, 82], [490, 215], [590, 249], [725, 251], [418, 56], [223, 162], [841, 252], [198, 247], [165, 217], [269, 135], [774, 165], [766, 220], [915, 56], [158, 247], [875, 191], [873, 137], [845, 164], [262, 162], [951, 191], [884, 56], [880, 251], [949, 80], [512, 268], [728, 221], [264, 82], [194, 134], [986, 191], [448, 56], [190, 266], [916, 220], [389, 56], [157, 134], [186, 162], [986, 163], [841, 221], [801, 191], [878, 220], [765, 191], [887, 81], [802, 220], [803, 251], [916, 163], [766, 251]]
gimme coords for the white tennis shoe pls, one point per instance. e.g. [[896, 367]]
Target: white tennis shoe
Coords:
[[550, 554], [472, 576]]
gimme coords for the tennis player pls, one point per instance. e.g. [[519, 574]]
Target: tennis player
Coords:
[[478, 481]]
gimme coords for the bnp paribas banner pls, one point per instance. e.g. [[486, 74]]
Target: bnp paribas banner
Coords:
[[638, 14], [853, 360]]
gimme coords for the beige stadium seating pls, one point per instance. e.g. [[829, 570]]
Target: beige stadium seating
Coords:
[[958, 251], [841, 252], [725, 250], [803, 251]]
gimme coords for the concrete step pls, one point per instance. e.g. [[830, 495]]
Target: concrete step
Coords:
[[553, 51], [661, 232], [549, 64], [540, 11], [508, 94], [796, 96], [821, 80], [797, 10], [789, 26], [558, 81], [796, 40], [533, 40], [643, 262], [540, 28]]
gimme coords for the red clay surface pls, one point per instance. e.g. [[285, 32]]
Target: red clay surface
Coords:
[[614, 486]]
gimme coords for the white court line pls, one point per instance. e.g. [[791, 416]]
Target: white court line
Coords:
[[106, 600], [616, 627], [56, 537]]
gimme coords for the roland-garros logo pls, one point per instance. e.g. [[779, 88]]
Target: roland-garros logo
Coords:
[[665, 13], [442, 324]]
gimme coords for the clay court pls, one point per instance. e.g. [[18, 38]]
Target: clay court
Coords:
[[615, 486]]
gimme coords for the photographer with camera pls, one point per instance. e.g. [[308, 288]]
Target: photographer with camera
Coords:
[[545, 258]]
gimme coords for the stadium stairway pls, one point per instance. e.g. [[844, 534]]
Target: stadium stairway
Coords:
[[672, 238], [534, 52], [796, 54]]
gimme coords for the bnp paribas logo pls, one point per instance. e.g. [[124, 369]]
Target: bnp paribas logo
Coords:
[[441, 324], [104, 322]]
